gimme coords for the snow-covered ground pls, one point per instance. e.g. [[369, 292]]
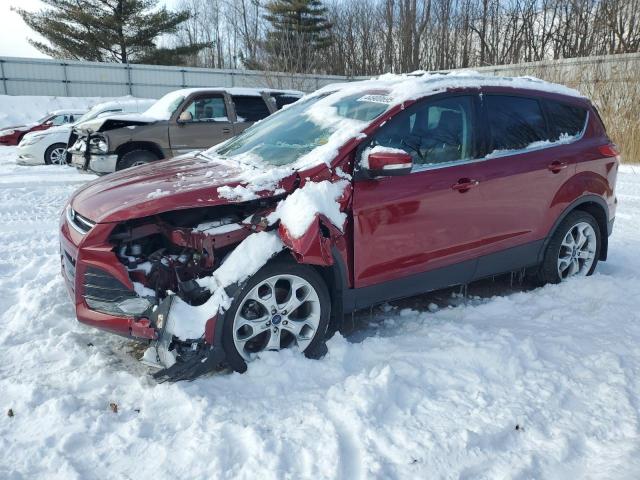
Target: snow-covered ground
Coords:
[[513, 383]]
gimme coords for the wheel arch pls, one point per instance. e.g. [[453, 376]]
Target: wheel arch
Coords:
[[335, 277], [138, 145], [598, 209]]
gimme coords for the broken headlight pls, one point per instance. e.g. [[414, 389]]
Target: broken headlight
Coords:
[[104, 293], [98, 144]]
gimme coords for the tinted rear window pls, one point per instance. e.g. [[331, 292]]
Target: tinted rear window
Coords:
[[283, 99], [565, 119], [514, 122], [250, 109]]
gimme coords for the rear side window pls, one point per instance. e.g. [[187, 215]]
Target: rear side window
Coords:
[[565, 119], [514, 122], [284, 99], [250, 109]]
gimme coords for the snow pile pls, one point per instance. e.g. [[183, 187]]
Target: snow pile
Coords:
[[245, 260], [298, 210], [414, 392], [21, 110], [563, 140]]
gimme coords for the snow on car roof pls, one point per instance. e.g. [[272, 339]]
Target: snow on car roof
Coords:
[[236, 91], [403, 87], [64, 112]]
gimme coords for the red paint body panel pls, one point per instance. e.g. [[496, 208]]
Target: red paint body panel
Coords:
[[19, 131]]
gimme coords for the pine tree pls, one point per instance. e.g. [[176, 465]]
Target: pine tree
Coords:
[[299, 30], [104, 30]]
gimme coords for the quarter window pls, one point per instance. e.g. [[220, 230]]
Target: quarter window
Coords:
[[514, 122], [283, 99], [565, 119], [433, 133], [250, 109]]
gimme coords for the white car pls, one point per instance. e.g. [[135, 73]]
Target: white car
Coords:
[[49, 146]]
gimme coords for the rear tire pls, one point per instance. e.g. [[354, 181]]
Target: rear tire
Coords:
[[135, 158], [56, 154], [574, 249], [251, 326]]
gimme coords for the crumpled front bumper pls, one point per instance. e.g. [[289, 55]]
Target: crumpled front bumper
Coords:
[[100, 164], [79, 253]]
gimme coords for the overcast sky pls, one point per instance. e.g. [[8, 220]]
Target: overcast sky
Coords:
[[14, 32]]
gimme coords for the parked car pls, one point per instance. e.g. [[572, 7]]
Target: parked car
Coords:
[[356, 195], [180, 122], [50, 146], [13, 135]]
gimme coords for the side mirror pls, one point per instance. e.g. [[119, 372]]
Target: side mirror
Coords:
[[385, 162], [185, 117]]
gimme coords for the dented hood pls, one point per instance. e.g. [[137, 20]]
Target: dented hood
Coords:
[[180, 183], [112, 122]]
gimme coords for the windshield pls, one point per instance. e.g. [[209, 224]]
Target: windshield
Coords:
[[45, 118], [286, 136], [164, 108]]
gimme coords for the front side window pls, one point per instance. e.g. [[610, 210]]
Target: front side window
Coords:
[[250, 109], [436, 132], [514, 122], [564, 119], [60, 120], [208, 109]]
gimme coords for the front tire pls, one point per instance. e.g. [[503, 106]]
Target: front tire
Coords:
[[135, 158], [56, 154], [284, 304], [574, 249]]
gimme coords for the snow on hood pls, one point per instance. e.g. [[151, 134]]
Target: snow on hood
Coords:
[[180, 183], [19, 128], [115, 121]]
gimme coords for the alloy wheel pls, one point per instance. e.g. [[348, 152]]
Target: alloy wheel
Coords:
[[577, 251], [280, 311], [57, 156]]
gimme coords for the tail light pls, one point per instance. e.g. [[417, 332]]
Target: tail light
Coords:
[[609, 150]]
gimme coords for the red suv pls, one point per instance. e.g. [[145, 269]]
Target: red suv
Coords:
[[357, 194]]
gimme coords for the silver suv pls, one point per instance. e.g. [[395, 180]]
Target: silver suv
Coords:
[[180, 122]]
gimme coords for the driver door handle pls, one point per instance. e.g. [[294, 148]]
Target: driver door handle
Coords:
[[464, 184], [226, 130]]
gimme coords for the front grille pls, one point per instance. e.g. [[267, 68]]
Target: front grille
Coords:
[[78, 222], [106, 294], [99, 285]]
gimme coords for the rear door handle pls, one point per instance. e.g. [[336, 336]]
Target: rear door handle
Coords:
[[464, 184], [557, 166], [226, 130]]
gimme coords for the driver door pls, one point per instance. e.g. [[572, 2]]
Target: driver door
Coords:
[[430, 219], [202, 123]]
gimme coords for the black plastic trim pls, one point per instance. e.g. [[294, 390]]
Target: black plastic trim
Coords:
[[461, 273], [572, 206]]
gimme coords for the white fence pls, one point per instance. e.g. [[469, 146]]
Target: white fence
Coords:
[[29, 76]]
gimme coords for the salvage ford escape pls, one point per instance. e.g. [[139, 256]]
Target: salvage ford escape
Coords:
[[357, 194]]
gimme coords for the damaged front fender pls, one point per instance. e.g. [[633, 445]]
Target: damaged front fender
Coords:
[[314, 246]]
